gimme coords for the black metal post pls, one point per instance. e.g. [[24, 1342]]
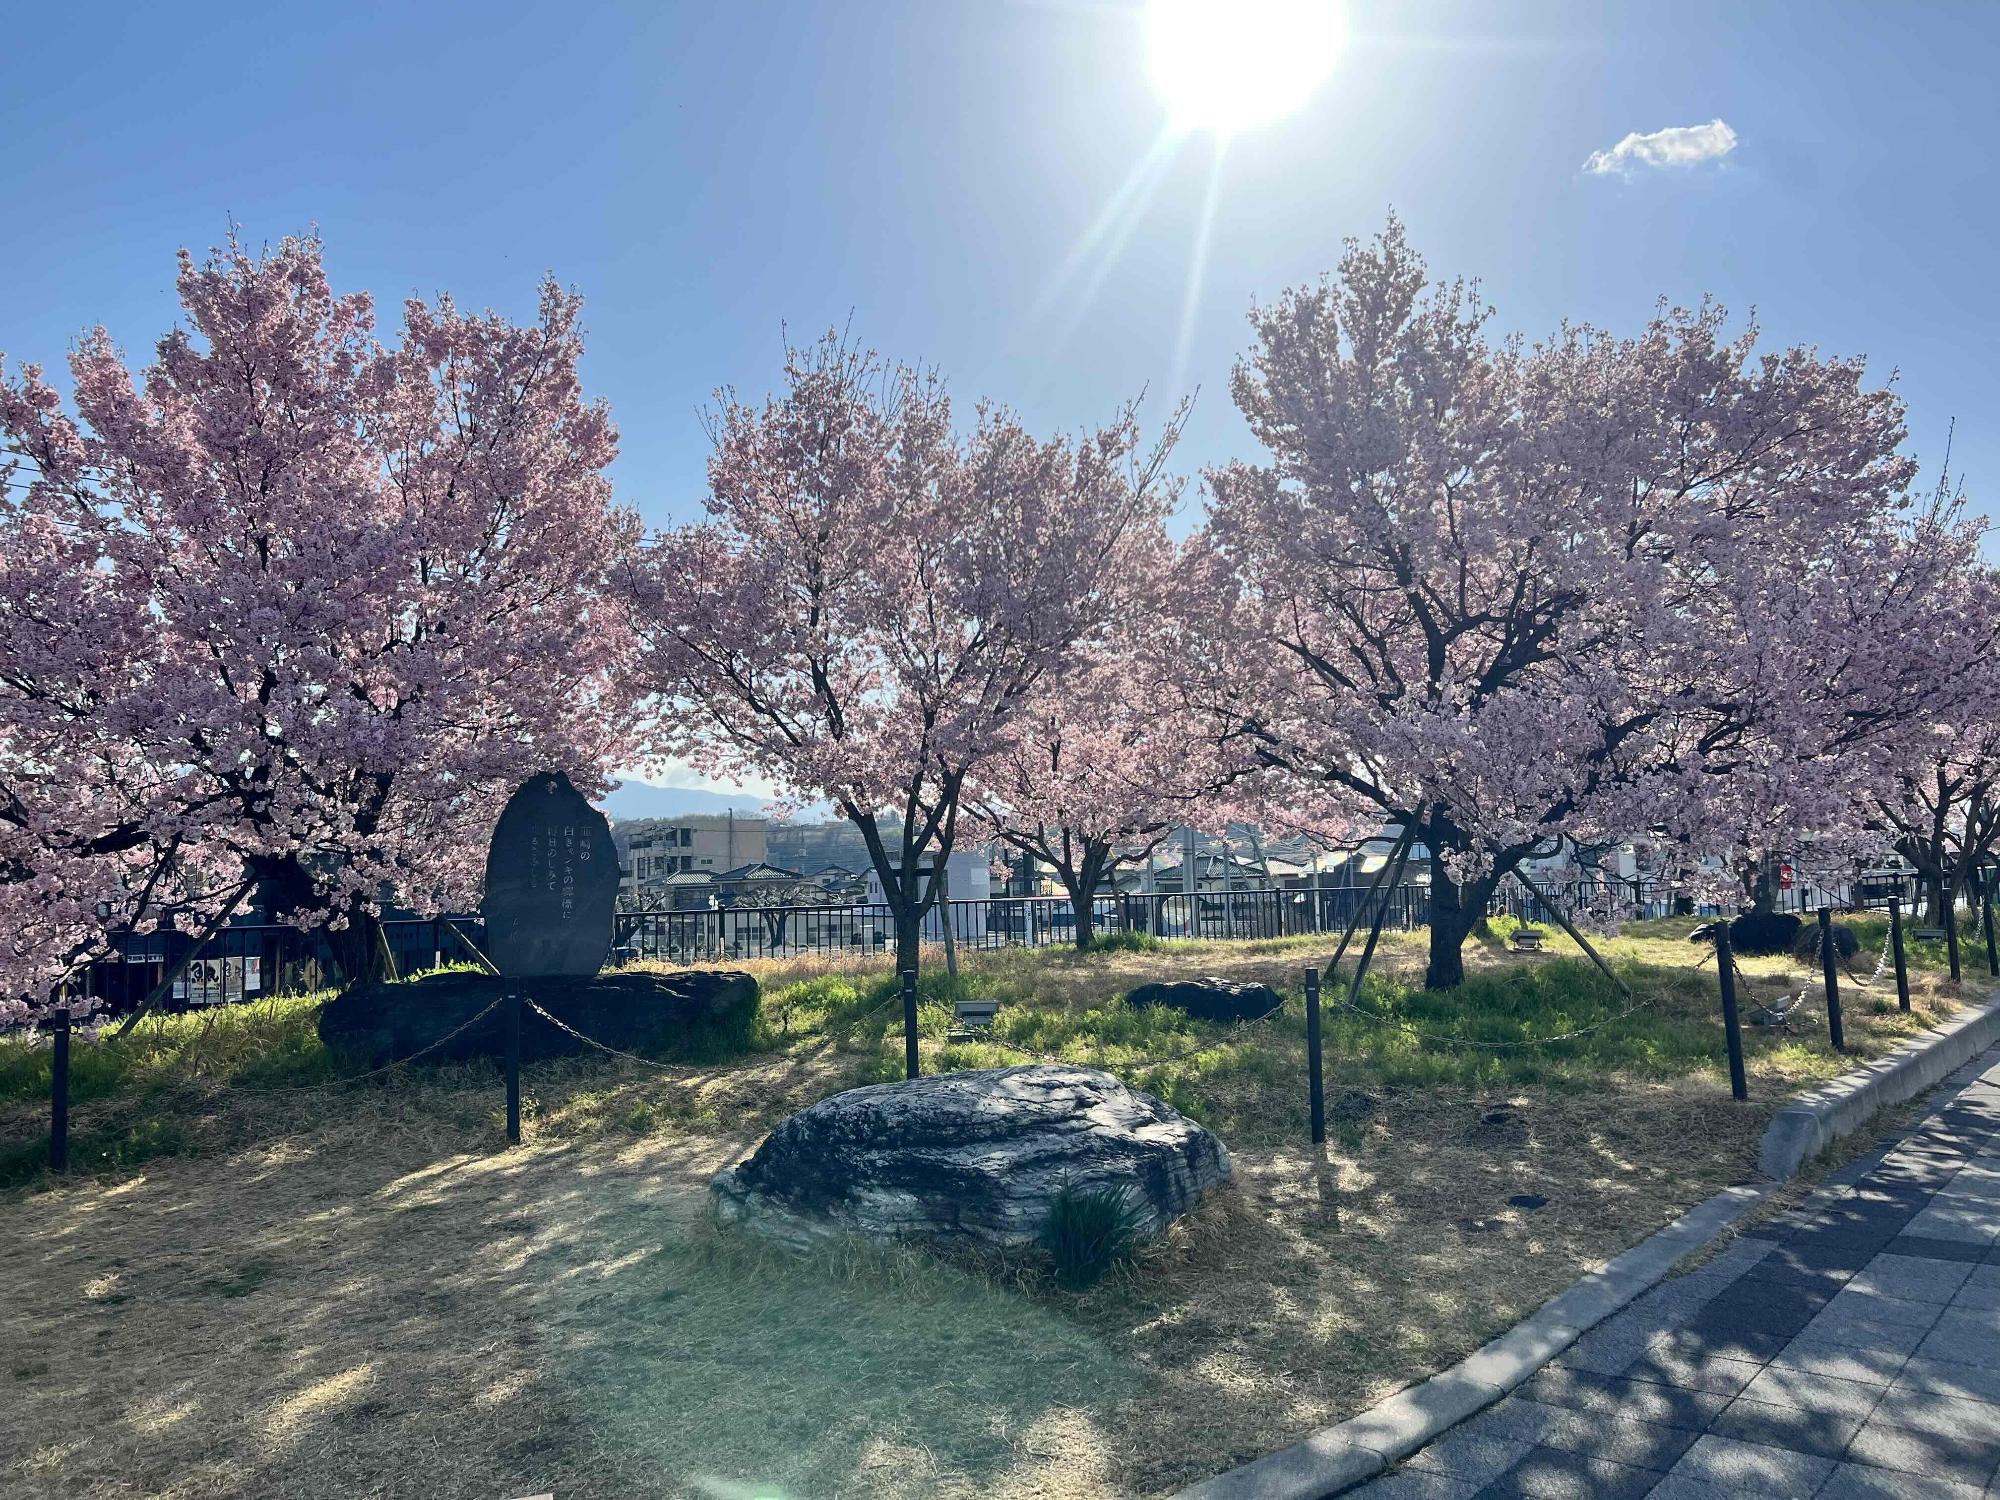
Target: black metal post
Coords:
[[1896, 949], [910, 1023], [1832, 979], [1986, 921], [1315, 1085], [1951, 926], [514, 1068], [1732, 1027], [59, 1094]]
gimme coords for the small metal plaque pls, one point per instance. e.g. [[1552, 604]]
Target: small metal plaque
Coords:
[[551, 882]]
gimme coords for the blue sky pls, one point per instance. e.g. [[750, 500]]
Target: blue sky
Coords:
[[708, 174], [932, 171]]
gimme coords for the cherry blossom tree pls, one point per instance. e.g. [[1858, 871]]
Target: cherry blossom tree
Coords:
[[1939, 801], [874, 597], [1101, 765], [1482, 584], [302, 606]]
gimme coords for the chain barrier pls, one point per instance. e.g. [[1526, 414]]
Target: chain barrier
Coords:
[[681, 1069], [215, 1085]]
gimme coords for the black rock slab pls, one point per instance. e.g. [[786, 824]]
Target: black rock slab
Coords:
[[631, 1010]]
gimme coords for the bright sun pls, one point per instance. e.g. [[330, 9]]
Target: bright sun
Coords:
[[1228, 65]]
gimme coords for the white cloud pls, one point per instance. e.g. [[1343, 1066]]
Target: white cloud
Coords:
[[1676, 146]]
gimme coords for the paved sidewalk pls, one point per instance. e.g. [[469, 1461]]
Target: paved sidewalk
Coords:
[[1850, 1349]]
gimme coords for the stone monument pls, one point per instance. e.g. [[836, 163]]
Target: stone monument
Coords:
[[551, 883]]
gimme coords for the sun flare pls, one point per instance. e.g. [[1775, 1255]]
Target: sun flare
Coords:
[[1230, 65]]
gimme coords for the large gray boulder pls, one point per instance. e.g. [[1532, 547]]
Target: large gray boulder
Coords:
[[970, 1157]]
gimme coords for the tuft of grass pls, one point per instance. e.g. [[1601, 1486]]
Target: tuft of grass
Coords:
[[1089, 1231], [1124, 942]]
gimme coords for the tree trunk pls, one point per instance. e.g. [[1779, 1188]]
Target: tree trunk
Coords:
[[1934, 890], [1083, 902], [909, 938], [1452, 921], [1764, 887]]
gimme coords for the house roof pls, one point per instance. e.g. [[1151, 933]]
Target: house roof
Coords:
[[760, 870]]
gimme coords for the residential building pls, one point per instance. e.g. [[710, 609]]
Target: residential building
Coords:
[[651, 850]]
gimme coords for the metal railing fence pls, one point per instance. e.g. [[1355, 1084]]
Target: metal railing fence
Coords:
[[250, 961]]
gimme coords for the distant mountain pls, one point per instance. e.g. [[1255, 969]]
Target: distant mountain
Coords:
[[639, 799]]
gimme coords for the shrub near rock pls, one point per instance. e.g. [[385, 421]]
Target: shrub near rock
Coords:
[[696, 1013], [1805, 948], [1754, 932]]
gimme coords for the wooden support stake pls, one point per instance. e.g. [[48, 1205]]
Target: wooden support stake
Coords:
[[1315, 1086], [59, 1092], [1896, 950], [1732, 1027], [910, 1066], [514, 1069], [1574, 936], [1827, 967]]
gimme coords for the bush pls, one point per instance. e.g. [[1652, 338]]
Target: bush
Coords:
[[1089, 1230], [1123, 942]]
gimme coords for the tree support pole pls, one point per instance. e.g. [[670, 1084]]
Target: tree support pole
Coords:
[[910, 1066], [1986, 922], [1896, 949], [514, 1069], [59, 1093], [1398, 857], [1832, 974], [1732, 1028], [1574, 936], [1315, 1084]]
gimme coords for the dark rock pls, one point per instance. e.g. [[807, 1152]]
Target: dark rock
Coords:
[[973, 1158], [1768, 932], [1528, 1201], [704, 1011], [1805, 947], [1210, 999]]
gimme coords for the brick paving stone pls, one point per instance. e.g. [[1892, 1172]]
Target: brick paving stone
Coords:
[[1933, 1411], [1751, 1468], [1964, 1335], [1859, 1482], [1950, 1378], [1641, 1400], [1915, 1277], [1980, 1289], [1551, 1474], [1840, 1361], [1962, 1460], [1473, 1458], [1670, 1364], [1778, 1386], [1644, 1445], [1932, 1248], [1421, 1484]]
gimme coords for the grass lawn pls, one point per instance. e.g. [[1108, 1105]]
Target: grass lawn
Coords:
[[261, 1284]]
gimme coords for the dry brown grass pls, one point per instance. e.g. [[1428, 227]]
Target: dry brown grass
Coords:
[[364, 1293]]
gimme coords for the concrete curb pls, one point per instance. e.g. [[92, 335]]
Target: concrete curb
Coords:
[[1339, 1457], [1801, 1130]]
